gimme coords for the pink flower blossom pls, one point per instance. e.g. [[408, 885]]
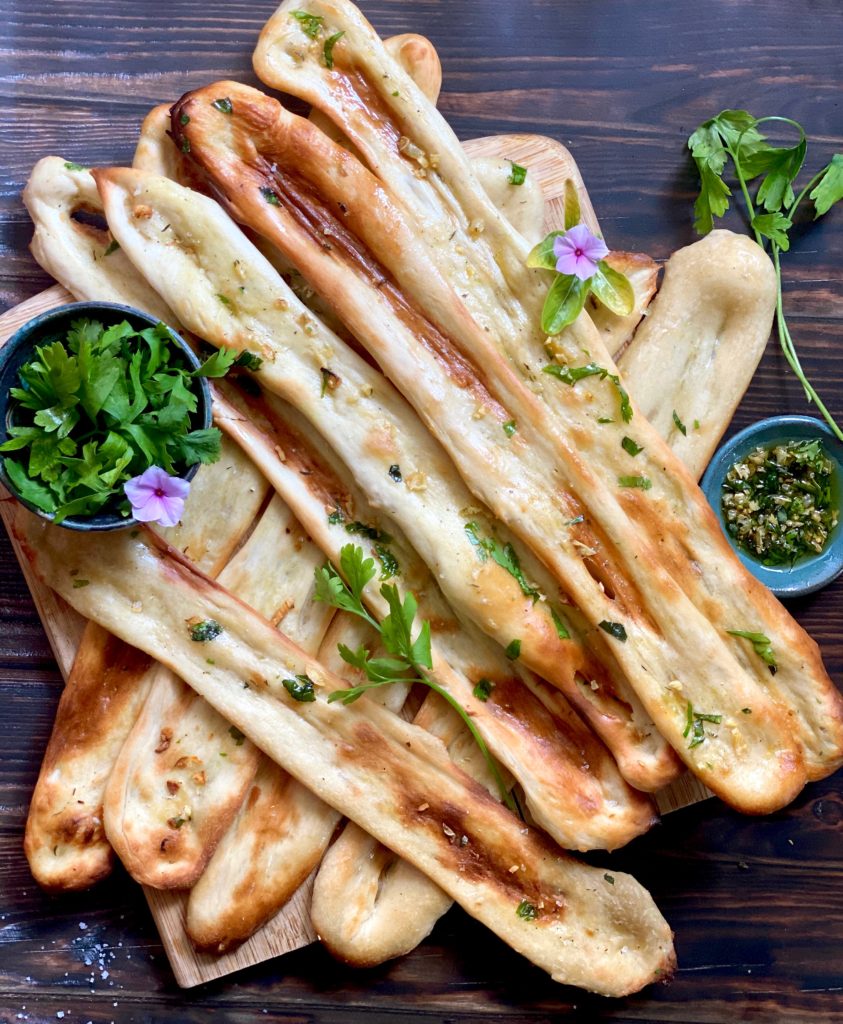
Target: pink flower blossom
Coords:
[[157, 497], [578, 252]]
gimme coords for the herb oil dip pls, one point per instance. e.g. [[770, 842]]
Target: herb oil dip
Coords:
[[782, 502]]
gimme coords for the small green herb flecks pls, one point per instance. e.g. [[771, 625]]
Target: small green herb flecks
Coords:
[[185, 145], [615, 629], [746, 711], [395, 473], [184, 119], [517, 174], [223, 105], [112, 246], [328, 48], [483, 689], [694, 725], [176, 822], [336, 517], [389, 563], [696, 424], [236, 735], [602, 420], [249, 360], [559, 625], [680, 426], [526, 911], [364, 530], [505, 556], [202, 632], [78, 584], [609, 878], [330, 381], [761, 645], [224, 299], [74, 167], [631, 447], [300, 688], [310, 23], [513, 650], [510, 427], [270, 196], [572, 374], [575, 521], [643, 483]]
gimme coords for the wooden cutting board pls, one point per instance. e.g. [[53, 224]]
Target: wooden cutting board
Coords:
[[551, 164]]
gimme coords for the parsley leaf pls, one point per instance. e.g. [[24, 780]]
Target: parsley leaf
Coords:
[[761, 645], [694, 727], [504, 555], [300, 688], [571, 374], [483, 689], [328, 48], [409, 656], [517, 174], [310, 23], [829, 187], [734, 135], [643, 483], [615, 629]]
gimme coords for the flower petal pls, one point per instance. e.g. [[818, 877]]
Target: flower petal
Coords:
[[172, 509], [150, 511]]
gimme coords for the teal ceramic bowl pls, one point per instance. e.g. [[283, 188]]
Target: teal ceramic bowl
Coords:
[[20, 348], [809, 573]]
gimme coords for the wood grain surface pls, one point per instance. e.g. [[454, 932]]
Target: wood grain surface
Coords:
[[757, 904]]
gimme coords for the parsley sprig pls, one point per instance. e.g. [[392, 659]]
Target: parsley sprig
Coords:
[[96, 407], [734, 135], [408, 657]]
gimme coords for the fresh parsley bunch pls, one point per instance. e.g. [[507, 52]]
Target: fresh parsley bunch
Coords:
[[734, 135], [98, 407]]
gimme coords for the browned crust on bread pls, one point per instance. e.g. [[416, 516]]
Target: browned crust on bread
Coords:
[[65, 843]]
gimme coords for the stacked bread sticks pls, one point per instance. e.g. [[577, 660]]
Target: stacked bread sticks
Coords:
[[405, 257]]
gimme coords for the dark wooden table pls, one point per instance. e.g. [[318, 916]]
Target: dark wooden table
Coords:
[[757, 905]]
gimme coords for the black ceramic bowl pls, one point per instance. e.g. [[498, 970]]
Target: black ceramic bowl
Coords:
[[20, 348], [808, 574]]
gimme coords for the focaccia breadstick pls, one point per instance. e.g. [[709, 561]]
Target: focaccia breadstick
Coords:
[[644, 583], [367, 763]]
